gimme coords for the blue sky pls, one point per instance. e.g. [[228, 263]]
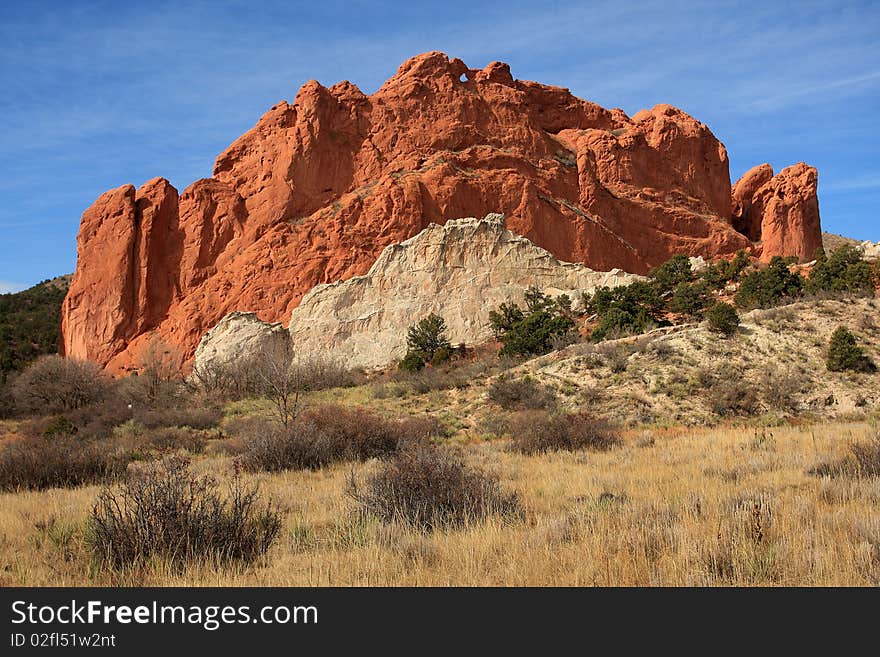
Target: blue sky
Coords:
[[98, 94]]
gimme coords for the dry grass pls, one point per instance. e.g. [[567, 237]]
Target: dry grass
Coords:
[[720, 506]]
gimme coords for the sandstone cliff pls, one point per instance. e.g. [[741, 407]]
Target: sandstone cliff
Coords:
[[316, 190]]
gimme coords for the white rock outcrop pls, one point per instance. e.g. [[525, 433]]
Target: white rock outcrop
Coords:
[[870, 250], [237, 336], [460, 271]]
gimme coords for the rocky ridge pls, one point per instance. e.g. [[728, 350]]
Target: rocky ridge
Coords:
[[319, 187]]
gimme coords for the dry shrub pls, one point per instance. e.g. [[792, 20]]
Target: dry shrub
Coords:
[[780, 389], [494, 424], [141, 440], [430, 379], [421, 427], [53, 384], [192, 417], [521, 394], [458, 374], [91, 422], [256, 375], [62, 461], [165, 511], [616, 356], [732, 396], [431, 487], [863, 461], [321, 436], [536, 432]]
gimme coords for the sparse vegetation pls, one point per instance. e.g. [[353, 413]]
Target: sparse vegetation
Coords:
[[738, 499]]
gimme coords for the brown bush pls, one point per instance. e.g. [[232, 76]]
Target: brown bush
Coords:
[[259, 375], [192, 417], [536, 432], [421, 427], [167, 440], [521, 394], [52, 384], [780, 389], [94, 421], [732, 396], [165, 511], [862, 461], [61, 461], [324, 435], [431, 487]]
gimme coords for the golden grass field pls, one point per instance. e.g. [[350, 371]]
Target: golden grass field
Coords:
[[714, 506]]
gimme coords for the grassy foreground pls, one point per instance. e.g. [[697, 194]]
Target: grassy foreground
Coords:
[[702, 506]]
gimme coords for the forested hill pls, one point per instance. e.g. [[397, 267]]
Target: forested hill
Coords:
[[30, 323]]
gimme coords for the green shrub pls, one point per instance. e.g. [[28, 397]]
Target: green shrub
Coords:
[[671, 273], [771, 286], [625, 310], [723, 318], [690, 298], [535, 330], [843, 271], [426, 343], [640, 296], [844, 353], [733, 268]]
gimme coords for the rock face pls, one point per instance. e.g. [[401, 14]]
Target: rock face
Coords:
[[781, 211], [316, 190], [238, 336], [460, 271], [870, 250]]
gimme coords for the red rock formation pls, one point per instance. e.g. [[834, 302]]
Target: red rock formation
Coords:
[[781, 211], [317, 188]]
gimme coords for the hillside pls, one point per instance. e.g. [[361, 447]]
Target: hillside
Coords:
[[30, 323]]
